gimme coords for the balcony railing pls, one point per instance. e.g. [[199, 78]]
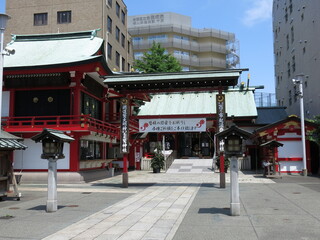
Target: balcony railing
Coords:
[[64, 123]]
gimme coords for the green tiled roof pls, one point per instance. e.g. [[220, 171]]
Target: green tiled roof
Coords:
[[52, 49], [238, 103]]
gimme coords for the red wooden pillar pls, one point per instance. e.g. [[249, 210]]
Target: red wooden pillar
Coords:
[[125, 138], [76, 79], [222, 172], [12, 103], [137, 150], [75, 153], [125, 177]]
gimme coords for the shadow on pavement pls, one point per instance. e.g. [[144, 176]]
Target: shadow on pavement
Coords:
[[225, 211]]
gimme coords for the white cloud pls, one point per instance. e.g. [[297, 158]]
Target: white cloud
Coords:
[[259, 12]]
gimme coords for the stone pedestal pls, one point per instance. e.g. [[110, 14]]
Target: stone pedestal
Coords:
[[234, 187], [125, 180], [52, 203]]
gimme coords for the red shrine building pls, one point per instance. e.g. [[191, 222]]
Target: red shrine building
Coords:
[[53, 81], [62, 81], [290, 156]]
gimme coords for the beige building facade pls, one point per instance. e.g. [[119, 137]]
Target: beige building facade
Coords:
[[195, 49], [54, 16], [296, 33]]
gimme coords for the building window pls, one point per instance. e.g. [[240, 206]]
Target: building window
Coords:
[[123, 64], [129, 67], [123, 17], [118, 59], [90, 150], [109, 51], [110, 3], [289, 72], [293, 64], [117, 34], [290, 6], [181, 37], [128, 46], [290, 98], [109, 24], [123, 40], [40, 19], [157, 37], [64, 17], [286, 14], [295, 93], [117, 9], [292, 34], [287, 37]]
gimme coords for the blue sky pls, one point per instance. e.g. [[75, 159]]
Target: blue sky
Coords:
[[250, 20]]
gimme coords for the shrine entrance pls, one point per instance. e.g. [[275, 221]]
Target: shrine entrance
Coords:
[[197, 144]]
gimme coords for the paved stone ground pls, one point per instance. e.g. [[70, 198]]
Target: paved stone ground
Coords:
[[168, 206], [191, 166]]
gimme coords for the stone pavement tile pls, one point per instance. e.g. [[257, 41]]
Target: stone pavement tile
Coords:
[[117, 230], [157, 233], [132, 235], [165, 222], [142, 226], [108, 237], [104, 225], [59, 236]]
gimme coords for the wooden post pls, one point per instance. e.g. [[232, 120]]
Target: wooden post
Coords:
[[222, 172]]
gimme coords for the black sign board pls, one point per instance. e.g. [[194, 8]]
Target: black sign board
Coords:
[[124, 137], [221, 112]]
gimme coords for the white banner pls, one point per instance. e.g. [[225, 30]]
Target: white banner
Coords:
[[173, 125]]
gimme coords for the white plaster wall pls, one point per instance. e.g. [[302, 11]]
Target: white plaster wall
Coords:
[[5, 104], [290, 149], [30, 158], [291, 166]]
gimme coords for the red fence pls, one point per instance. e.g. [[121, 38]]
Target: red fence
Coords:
[[72, 122]]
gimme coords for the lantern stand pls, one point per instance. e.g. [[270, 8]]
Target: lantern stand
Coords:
[[52, 150], [233, 138]]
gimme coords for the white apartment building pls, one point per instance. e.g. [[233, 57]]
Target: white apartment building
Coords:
[[195, 49]]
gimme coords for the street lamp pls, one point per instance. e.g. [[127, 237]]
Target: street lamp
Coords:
[[3, 23], [299, 81], [52, 150]]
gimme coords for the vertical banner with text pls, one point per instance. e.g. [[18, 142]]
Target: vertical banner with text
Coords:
[[221, 112], [124, 131]]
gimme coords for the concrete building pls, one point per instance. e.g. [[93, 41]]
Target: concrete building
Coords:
[[41, 17], [196, 49], [297, 51]]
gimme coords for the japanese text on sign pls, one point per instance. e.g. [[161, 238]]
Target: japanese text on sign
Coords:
[[124, 138], [173, 125]]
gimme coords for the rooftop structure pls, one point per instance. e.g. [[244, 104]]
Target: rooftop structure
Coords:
[[43, 17]]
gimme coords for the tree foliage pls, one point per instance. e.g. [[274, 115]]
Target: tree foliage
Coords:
[[315, 136], [156, 60]]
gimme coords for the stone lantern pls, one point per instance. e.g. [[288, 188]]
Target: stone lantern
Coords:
[[52, 150]]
